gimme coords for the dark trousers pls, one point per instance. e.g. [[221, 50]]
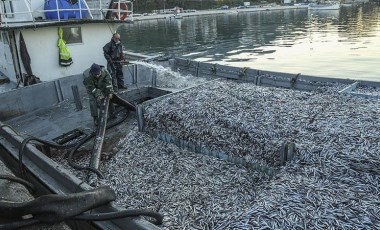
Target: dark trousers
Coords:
[[116, 72]]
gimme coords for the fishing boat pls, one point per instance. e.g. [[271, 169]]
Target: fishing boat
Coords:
[[324, 6], [189, 142], [43, 43], [175, 16], [34, 35], [178, 16]]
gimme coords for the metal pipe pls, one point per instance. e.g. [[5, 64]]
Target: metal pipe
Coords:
[[100, 131], [77, 99]]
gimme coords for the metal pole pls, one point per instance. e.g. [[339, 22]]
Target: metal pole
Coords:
[[58, 11], [100, 131], [78, 102]]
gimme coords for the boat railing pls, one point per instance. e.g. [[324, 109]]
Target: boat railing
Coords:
[[23, 11]]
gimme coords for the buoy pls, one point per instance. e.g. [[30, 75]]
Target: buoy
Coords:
[[122, 6]]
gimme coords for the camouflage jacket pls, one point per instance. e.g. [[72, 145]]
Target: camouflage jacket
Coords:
[[98, 86]]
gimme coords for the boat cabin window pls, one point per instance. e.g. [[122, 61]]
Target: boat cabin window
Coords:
[[72, 35]]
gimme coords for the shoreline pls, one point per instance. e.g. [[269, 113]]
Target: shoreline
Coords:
[[217, 11]]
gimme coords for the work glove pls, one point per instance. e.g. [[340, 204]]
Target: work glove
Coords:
[[99, 99], [110, 96]]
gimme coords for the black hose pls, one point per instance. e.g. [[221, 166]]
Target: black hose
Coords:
[[72, 152], [19, 224], [88, 217], [18, 180], [76, 145], [47, 143], [57, 146], [121, 214], [79, 167], [93, 217], [54, 208]]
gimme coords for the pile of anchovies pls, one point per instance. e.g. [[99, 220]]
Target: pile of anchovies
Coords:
[[371, 91], [237, 119], [333, 183], [191, 190]]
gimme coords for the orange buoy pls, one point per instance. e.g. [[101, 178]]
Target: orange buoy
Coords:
[[122, 6]]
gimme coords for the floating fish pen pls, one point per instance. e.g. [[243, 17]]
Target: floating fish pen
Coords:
[[241, 123], [332, 182], [237, 122], [335, 165], [238, 182], [228, 153]]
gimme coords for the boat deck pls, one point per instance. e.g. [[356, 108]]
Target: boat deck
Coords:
[[52, 122]]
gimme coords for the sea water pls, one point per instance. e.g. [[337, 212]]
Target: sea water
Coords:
[[341, 43]]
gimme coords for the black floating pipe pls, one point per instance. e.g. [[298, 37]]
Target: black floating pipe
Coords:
[[100, 131]]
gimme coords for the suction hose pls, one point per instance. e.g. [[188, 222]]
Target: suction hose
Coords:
[[116, 99]]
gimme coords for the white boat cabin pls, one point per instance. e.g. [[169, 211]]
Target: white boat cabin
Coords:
[[30, 31]]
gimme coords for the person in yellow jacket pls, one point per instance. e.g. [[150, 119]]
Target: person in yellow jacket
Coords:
[[98, 83]]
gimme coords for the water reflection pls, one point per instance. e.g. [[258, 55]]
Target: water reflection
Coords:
[[324, 14], [340, 43]]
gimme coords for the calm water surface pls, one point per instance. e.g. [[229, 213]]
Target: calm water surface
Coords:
[[341, 43]]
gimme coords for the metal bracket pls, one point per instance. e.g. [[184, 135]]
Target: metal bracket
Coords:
[[293, 81], [243, 72], [213, 69], [287, 152]]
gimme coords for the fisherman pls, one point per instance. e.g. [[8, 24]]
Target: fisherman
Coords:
[[113, 52], [98, 83]]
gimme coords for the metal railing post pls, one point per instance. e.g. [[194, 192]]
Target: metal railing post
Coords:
[[58, 11], [88, 9], [1, 14], [118, 10], [80, 8], [101, 9]]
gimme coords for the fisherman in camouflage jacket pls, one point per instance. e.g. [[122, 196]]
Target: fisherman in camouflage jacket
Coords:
[[98, 83]]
